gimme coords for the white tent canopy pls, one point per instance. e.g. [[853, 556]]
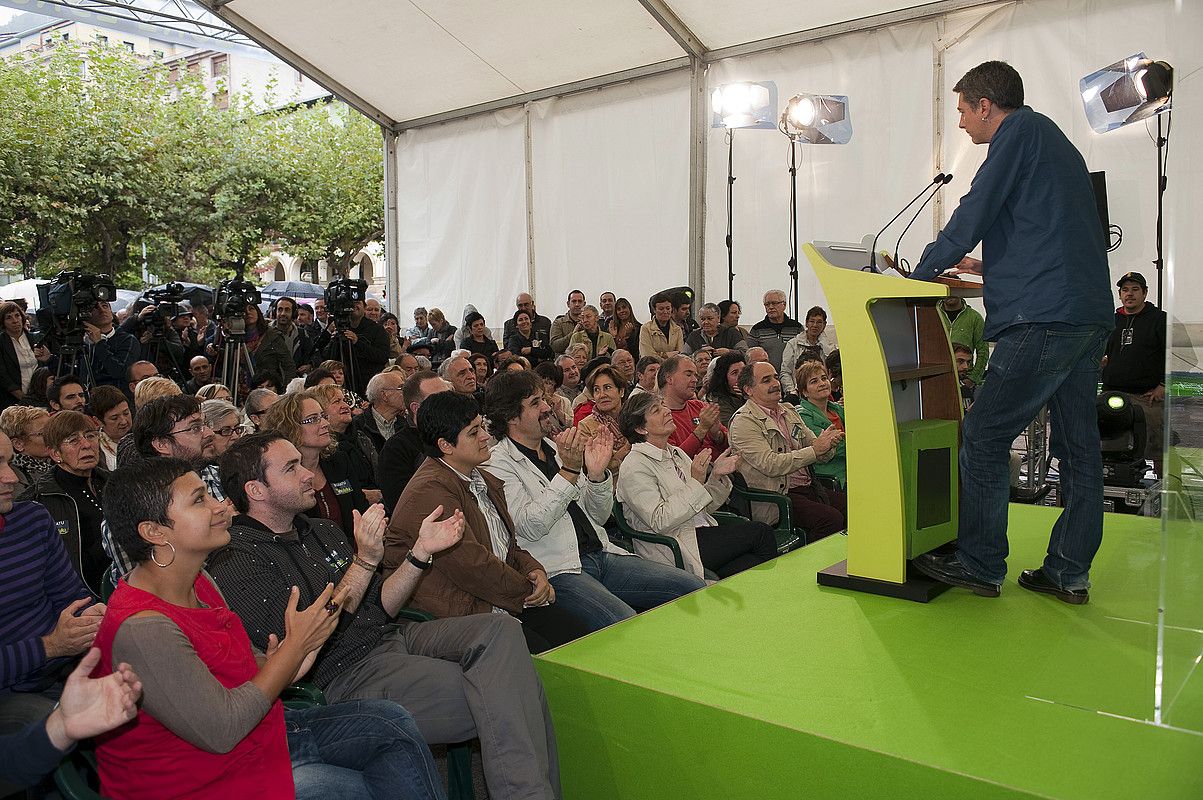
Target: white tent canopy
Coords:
[[555, 145]]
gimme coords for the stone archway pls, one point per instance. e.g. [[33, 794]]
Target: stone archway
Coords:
[[367, 266]]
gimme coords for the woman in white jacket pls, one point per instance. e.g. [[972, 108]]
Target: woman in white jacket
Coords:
[[663, 491]]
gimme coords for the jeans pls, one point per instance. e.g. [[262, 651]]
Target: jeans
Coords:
[[359, 749], [610, 587], [1033, 365]]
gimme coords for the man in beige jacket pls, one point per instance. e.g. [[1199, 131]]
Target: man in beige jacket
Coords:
[[777, 450]]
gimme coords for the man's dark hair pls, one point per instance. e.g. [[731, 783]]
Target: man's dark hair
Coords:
[[316, 376], [668, 368], [634, 415], [807, 353], [747, 377], [834, 364], [155, 420], [287, 300], [243, 462], [104, 399], [657, 299], [997, 81], [411, 390], [135, 494], [816, 311], [550, 371], [957, 347], [305, 306], [56, 389], [504, 397], [681, 299], [718, 376], [444, 416], [575, 291], [645, 362]]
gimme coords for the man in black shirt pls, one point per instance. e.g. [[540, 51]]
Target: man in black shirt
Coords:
[[1134, 362], [558, 512], [460, 678], [403, 452], [369, 347]]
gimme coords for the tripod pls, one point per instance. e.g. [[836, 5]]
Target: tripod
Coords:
[[70, 353], [155, 349], [233, 351], [346, 354]]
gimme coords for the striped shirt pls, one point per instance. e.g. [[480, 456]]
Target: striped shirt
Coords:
[[36, 583]]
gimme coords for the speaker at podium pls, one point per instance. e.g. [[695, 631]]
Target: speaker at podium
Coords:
[[902, 404]]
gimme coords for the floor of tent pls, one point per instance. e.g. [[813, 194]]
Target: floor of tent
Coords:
[[768, 685]]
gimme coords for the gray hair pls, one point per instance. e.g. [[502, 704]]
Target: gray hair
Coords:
[[572, 348], [420, 310], [214, 410], [377, 386], [634, 415], [593, 309]]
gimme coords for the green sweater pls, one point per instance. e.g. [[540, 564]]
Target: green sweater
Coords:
[[818, 422], [969, 329]]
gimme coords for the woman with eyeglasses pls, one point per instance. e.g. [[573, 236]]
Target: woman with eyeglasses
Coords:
[[354, 455], [300, 419], [31, 458], [72, 490], [223, 418], [215, 391]]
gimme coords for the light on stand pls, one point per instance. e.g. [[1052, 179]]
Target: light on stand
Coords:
[[740, 105], [1127, 91], [810, 119]]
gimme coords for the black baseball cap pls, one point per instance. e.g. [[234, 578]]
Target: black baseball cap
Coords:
[[1133, 277]]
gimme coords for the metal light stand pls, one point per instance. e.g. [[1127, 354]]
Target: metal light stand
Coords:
[[1162, 146], [730, 213], [793, 223]]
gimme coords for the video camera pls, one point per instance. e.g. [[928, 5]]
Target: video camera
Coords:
[[166, 301], [71, 295], [341, 296], [233, 297]]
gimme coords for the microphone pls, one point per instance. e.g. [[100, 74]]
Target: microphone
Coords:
[[939, 185], [873, 250]]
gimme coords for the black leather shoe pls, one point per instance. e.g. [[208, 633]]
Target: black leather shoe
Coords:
[[1036, 581], [946, 569]]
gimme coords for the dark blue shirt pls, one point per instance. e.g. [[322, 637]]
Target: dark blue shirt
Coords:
[[1032, 207]]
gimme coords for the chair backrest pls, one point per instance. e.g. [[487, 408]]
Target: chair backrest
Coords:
[[653, 538]]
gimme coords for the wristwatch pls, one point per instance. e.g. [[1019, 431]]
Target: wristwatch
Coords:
[[423, 565]]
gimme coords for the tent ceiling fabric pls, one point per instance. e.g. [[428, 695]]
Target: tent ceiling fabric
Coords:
[[411, 59]]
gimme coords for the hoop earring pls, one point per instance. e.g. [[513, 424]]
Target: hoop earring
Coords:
[[156, 561]]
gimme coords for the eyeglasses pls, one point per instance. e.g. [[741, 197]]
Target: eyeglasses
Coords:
[[773, 303], [194, 429], [229, 430], [76, 439], [313, 418]]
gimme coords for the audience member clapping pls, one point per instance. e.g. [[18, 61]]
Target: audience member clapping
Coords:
[[211, 721], [820, 412], [663, 491], [698, 424], [606, 387]]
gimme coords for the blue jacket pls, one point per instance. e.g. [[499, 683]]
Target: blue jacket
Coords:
[[1032, 207]]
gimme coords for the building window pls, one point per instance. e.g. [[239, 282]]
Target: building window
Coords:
[[159, 54], [129, 46], [221, 66], [221, 99], [194, 68], [173, 74], [101, 39]]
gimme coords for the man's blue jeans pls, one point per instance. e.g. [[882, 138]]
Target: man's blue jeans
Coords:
[[1034, 365], [609, 585], [359, 749]]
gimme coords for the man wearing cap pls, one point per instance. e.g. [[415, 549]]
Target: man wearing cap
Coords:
[[1135, 358]]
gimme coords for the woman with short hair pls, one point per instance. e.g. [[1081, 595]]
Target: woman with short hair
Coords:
[[664, 491], [110, 407], [19, 356], [31, 458], [226, 422], [606, 387], [820, 412]]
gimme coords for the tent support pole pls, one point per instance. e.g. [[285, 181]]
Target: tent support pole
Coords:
[[392, 255], [698, 109]]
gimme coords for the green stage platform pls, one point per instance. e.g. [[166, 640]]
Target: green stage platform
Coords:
[[770, 686]]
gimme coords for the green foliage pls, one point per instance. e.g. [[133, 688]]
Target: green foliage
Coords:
[[100, 155]]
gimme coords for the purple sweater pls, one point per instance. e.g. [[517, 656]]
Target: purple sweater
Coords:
[[36, 583]]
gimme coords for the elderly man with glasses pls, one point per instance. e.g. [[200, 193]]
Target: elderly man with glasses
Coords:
[[775, 330]]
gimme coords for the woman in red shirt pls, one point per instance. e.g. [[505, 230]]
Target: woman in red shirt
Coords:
[[211, 722]]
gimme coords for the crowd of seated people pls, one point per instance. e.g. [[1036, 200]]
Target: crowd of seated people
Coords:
[[247, 534]]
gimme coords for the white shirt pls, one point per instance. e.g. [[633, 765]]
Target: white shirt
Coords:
[[26, 359]]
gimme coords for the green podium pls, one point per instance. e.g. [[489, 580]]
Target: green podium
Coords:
[[902, 405]]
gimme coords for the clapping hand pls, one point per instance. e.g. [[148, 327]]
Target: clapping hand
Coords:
[[570, 450], [369, 533], [828, 439], [598, 450], [708, 417], [435, 536], [726, 463], [700, 464], [89, 707]]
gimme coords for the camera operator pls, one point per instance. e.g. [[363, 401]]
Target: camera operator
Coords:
[[369, 344], [190, 340], [109, 350], [158, 340]]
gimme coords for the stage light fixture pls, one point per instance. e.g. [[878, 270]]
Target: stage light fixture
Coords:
[[817, 119], [1129, 90], [744, 105]]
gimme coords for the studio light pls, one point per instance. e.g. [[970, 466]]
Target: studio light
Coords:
[[744, 105], [1130, 90], [1134, 89], [817, 119]]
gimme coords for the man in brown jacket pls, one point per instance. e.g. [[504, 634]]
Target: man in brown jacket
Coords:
[[778, 449], [486, 571]]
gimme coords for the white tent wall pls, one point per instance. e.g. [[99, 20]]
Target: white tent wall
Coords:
[[611, 192], [844, 191], [461, 223]]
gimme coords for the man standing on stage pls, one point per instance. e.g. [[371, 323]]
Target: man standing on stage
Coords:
[[1048, 308]]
